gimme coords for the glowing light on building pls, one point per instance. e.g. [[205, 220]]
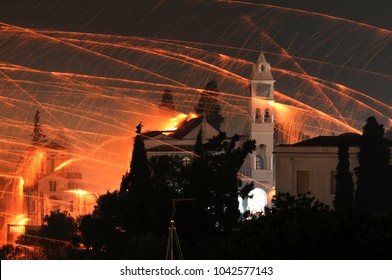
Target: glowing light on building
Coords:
[[20, 220], [177, 120], [79, 192], [64, 164]]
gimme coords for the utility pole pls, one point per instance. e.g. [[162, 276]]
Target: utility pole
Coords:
[[173, 243]]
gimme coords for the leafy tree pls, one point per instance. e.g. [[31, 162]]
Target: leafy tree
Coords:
[[122, 218], [167, 100], [169, 176], [214, 185], [59, 225], [106, 230], [208, 105], [11, 252], [55, 239], [374, 191], [299, 227], [119, 215], [38, 135], [344, 195]]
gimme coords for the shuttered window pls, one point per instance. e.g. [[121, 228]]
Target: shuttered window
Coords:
[[303, 181]]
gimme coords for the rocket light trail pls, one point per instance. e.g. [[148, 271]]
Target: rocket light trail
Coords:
[[93, 89]]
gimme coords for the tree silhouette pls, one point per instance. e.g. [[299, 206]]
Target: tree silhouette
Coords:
[[56, 238], [373, 186], [167, 100], [215, 184], [344, 195], [137, 183], [208, 105]]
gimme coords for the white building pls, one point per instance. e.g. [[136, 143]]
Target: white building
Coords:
[[51, 182], [259, 166], [310, 165]]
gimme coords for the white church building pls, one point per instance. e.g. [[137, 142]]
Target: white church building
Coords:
[[259, 166]]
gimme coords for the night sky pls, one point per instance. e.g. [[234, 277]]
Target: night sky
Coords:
[[233, 23], [331, 61]]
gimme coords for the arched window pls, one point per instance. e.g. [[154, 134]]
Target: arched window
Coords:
[[258, 115], [259, 162], [52, 186], [186, 161], [267, 115]]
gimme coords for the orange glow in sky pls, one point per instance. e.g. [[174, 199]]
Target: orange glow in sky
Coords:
[[65, 163], [174, 122]]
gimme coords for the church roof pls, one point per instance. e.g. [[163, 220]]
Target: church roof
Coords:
[[261, 57], [152, 134], [265, 75], [353, 140], [186, 127]]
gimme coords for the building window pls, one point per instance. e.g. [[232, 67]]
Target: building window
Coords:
[[258, 116], [267, 115], [51, 165], [259, 162], [16, 228], [71, 206], [186, 161], [333, 182], [52, 186], [303, 181], [72, 185], [33, 206]]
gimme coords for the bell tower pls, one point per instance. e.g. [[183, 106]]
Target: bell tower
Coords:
[[259, 166]]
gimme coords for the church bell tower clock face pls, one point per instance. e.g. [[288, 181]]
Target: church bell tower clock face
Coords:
[[263, 90]]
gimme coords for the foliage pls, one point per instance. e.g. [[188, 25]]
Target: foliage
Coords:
[[59, 225], [167, 100], [344, 195], [121, 218], [11, 252], [137, 183], [374, 189], [208, 105], [56, 238], [299, 227], [214, 185]]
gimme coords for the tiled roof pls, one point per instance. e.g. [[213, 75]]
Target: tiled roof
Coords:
[[152, 133], [353, 140], [186, 127]]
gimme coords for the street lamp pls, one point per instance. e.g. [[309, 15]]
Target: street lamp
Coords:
[[80, 193]]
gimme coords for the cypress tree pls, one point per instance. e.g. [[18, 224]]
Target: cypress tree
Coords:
[[373, 191], [208, 105], [344, 195], [136, 187], [167, 100]]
